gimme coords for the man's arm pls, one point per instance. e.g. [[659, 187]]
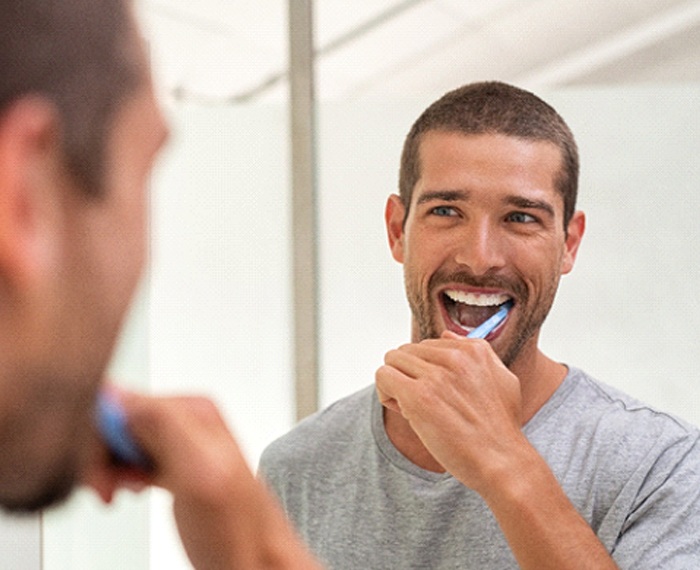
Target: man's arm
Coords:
[[226, 518], [465, 407]]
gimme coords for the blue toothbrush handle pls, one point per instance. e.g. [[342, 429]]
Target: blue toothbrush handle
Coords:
[[483, 330], [111, 423]]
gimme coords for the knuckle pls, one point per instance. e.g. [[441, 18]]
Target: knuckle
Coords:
[[481, 350], [453, 359], [391, 355], [203, 406], [382, 374]]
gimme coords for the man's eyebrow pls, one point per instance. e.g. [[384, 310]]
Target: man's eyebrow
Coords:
[[442, 195], [529, 204], [463, 195]]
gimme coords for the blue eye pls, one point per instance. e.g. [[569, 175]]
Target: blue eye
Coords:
[[443, 211], [521, 218]]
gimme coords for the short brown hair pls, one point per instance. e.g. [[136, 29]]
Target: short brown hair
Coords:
[[80, 55], [498, 108]]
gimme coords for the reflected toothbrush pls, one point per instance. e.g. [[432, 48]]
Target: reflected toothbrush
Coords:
[[485, 328], [111, 423]]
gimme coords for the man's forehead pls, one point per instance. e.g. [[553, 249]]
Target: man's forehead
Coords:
[[453, 164], [450, 151], [490, 139]]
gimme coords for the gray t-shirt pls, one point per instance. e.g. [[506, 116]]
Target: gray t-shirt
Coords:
[[631, 471]]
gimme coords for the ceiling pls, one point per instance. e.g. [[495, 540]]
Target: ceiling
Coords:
[[234, 51]]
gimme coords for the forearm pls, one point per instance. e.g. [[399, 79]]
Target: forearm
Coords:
[[542, 527], [281, 548], [246, 530]]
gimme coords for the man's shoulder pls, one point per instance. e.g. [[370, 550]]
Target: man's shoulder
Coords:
[[324, 433], [620, 407], [622, 422]]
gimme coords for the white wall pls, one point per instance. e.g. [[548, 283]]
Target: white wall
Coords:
[[220, 288], [630, 312], [20, 542]]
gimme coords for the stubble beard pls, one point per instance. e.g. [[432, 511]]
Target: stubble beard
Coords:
[[45, 444], [426, 312], [53, 489]]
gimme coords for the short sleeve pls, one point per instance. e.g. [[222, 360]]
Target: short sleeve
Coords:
[[663, 530]]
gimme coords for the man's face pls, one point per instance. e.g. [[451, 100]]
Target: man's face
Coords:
[[48, 435], [484, 226]]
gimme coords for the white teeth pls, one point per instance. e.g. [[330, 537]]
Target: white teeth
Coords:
[[477, 299]]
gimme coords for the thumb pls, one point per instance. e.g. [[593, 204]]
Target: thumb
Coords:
[[449, 335]]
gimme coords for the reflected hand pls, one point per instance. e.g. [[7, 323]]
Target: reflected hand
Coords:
[[461, 401]]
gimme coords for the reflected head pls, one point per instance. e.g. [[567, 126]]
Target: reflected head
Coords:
[[84, 58], [71, 72]]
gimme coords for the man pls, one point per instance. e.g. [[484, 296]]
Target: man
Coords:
[[79, 131], [487, 453]]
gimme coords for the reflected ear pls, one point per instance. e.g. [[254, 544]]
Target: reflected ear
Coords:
[[394, 214], [575, 231], [28, 151]]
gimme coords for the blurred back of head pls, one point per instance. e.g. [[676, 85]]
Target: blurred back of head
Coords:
[[82, 55], [71, 67]]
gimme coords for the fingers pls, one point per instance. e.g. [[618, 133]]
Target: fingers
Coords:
[[194, 454], [447, 353], [193, 450], [105, 479], [387, 380], [449, 335], [395, 380], [445, 365], [225, 517], [405, 394], [401, 368]]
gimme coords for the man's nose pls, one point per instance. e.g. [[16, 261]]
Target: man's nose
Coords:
[[480, 248]]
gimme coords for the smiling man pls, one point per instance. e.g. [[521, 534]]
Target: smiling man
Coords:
[[471, 453]]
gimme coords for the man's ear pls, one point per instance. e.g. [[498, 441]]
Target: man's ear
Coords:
[[575, 231], [28, 189], [394, 214]]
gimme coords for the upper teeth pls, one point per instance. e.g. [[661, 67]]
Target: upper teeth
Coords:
[[478, 299]]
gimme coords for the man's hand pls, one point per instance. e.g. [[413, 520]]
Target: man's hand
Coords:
[[460, 400], [225, 517]]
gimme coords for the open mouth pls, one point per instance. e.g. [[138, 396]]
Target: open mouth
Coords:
[[467, 310]]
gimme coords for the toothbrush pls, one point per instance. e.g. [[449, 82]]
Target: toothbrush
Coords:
[[111, 423], [485, 328]]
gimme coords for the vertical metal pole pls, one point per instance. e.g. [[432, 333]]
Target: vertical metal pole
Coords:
[[305, 287]]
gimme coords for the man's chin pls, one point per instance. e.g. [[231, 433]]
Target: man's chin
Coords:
[[52, 493]]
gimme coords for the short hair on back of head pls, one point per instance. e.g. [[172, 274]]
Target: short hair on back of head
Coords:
[[82, 56], [496, 108]]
